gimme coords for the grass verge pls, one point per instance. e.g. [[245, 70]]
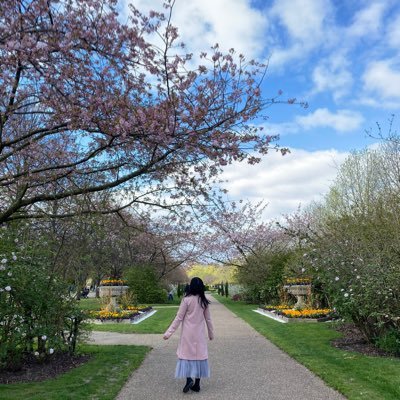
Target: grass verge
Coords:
[[355, 375], [91, 304], [101, 378]]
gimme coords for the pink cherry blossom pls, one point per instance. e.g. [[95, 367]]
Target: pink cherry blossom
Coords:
[[89, 104]]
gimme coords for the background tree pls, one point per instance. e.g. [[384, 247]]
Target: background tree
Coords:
[[144, 285], [232, 231], [262, 275], [212, 274], [237, 234]]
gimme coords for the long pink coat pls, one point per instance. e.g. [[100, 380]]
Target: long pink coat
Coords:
[[194, 319]]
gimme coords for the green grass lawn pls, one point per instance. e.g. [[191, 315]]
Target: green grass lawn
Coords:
[[91, 304], [157, 323], [101, 378], [355, 375]]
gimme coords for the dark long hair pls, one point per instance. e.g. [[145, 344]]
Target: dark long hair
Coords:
[[196, 287]]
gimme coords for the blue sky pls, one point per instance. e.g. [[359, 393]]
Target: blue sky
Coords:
[[341, 56]]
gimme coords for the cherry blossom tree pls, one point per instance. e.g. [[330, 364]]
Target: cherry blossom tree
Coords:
[[101, 246], [233, 231], [89, 104]]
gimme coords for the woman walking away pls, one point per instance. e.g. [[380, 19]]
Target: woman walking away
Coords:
[[194, 314]]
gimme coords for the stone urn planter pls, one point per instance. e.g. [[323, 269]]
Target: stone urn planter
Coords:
[[301, 292], [112, 292]]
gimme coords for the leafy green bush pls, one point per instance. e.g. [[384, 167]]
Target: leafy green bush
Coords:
[[143, 284], [390, 342], [262, 276], [36, 312], [127, 299]]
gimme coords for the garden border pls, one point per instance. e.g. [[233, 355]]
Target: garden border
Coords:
[[137, 319], [282, 319]]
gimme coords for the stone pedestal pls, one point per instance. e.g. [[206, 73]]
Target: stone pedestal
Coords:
[[112, 292], [301, 292]]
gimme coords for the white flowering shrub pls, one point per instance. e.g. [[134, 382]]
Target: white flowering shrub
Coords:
[[360, 277], [352, 243], [35, 308], [354, 261]]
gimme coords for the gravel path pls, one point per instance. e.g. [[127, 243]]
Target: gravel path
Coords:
[[244, 365]]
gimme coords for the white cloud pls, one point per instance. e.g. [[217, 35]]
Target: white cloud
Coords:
[[285, 182], [284, 128], [393, 32], [333, 74], [341, 121], [202, 23], [382, 78], [281, 57], [306, 25], [368, 21], [302, 19]]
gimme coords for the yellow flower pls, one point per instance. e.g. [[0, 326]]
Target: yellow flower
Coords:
[[306, 313], [281, 307], [112, 282], [297, 281], [104, 314]]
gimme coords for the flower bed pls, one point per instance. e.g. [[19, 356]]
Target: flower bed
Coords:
[[129, 315], [285, 314]]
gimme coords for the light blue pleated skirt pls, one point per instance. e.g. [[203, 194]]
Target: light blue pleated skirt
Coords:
[[192, 369]]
